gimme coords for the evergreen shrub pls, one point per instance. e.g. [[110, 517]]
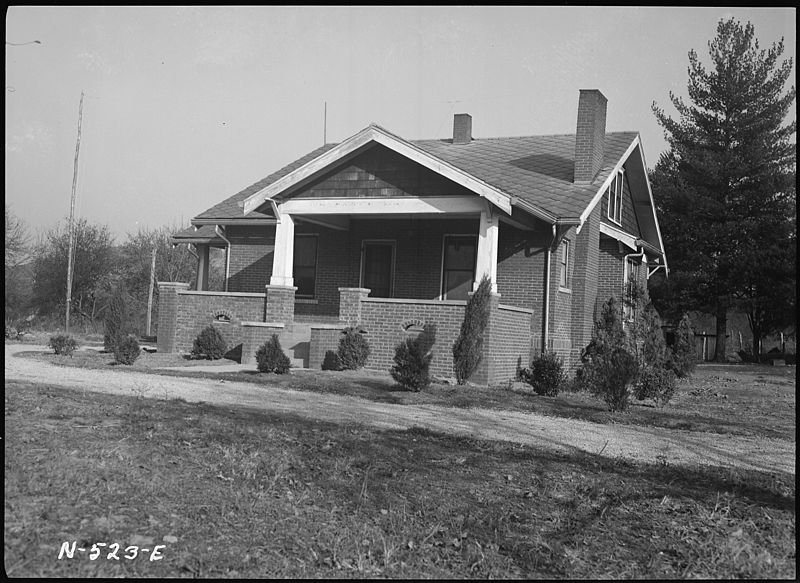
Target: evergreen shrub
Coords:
[[468, 347], [209, 344], [63, 344], [271, 358], [353, 349], [127, 350]]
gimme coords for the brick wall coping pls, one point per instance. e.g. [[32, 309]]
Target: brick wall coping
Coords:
[[416, 302], [515, 309], [227, 294], [328, 326], [356, 289], [264, 324], [286, 287], [173, 284]]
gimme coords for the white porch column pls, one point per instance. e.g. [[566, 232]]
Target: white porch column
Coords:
[[487, 250], [283, 255], [202, 268]]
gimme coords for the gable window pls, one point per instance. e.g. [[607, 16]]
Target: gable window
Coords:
[[377, 267], [458, 266], [305, 265], [564, 281], [615, 198]]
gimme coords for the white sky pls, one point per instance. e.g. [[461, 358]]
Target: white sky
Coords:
[[186, 106]]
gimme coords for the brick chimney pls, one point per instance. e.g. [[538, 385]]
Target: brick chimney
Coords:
[[462, 128], [590, 135]]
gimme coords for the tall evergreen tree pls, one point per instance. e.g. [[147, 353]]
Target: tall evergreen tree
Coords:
[[725, 190]]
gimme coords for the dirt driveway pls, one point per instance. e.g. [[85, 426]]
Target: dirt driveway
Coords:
[[567, 435]]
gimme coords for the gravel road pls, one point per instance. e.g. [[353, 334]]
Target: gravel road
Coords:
[[565, 435]]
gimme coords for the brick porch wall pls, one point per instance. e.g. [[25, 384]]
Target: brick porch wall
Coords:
[[196, 310], [383, 320], [509, 342]]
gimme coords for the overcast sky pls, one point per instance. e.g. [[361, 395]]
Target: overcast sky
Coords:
[[186, 106]]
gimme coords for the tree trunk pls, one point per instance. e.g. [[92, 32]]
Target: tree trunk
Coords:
[[722, 329]]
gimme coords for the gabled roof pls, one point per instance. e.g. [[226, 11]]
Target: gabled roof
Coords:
[[534, 173]]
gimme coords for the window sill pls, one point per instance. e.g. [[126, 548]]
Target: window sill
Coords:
[[564, 290]]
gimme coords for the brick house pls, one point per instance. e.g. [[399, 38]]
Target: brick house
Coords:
[[390, 234]]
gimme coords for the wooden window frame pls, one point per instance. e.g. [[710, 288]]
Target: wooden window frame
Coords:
[[615, 192], [564, 279], [442, 292]]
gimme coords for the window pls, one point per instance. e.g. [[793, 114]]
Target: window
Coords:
[[458, 266], [615, 198], [632, 270], [377, 268], [564, 282], [305, 265]]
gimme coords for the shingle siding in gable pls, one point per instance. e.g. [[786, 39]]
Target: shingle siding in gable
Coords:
[[380, 172]]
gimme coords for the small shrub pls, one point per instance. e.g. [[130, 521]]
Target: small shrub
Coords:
[[127, 350], [468, 347], [209, 344], [609, 376], [331, 361], [655, 383], [271, 358], [684, 356], [353, 349], [412, 360], [546, 374], [63, 344]]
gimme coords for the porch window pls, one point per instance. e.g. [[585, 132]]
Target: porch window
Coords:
[[377, 268], [458, 266], [564, 281], [305, 265], [615, 198]]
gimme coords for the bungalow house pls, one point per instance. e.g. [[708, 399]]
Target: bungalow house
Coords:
[[390, 234]]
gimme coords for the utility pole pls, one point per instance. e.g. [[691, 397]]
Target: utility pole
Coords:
[[150, 294], [70, 252]]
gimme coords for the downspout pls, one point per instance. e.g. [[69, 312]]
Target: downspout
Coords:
[[221, 235], [546, 327]]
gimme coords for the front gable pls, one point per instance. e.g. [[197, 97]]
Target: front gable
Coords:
[[376, 172]]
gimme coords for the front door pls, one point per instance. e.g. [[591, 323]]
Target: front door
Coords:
[[378, 268]]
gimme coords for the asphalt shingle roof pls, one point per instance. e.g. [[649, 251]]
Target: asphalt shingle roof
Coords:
[[536, 169]]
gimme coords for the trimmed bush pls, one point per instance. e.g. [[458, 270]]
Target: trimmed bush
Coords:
[[331, 361], [127, 350], [412, 360], [271, 358], [684, 355], [63, 344], [546, 374], [655, 383], [209, 344], [468, 347], [353, 349]]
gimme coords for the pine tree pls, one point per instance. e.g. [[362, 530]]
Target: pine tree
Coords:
[[725, 188]]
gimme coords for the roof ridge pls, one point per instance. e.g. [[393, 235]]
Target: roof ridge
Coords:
[[518, 137]]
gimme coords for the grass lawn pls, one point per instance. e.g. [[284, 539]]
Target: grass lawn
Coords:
[[727, 399], [238, 493]]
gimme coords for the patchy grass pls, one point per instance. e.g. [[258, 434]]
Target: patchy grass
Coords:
[[240, 493], [746, 400]]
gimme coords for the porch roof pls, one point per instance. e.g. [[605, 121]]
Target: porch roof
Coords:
[[203, 235], [537, 170]]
